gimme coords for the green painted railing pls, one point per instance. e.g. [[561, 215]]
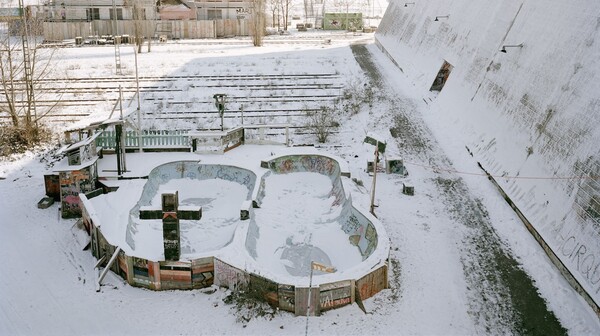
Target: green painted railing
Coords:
[[150, 139]]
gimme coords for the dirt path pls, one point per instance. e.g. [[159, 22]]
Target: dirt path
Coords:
[[502, 297]]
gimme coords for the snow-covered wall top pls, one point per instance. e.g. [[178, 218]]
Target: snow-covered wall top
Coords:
[[530, 115]]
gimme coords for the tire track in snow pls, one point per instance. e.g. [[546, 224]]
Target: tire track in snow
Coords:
[[502, 297]]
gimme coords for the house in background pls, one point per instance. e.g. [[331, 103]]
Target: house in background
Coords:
[[68, 19], [176, 10], [90, 10], [222, 9]]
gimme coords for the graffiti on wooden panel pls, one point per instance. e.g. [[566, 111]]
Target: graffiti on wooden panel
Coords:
[[202, 272], [335, 295], [71, 184], [372, 283], [140, 271], [263, 288], [287, 297]]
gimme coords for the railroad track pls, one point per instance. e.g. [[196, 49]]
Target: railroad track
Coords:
[[272, 96]]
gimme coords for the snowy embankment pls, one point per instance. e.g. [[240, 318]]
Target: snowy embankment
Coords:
[[528, 117]]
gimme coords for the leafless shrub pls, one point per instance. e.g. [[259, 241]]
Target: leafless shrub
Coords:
[[322, 121]]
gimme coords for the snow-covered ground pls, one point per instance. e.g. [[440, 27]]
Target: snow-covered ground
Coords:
[[456, 244]]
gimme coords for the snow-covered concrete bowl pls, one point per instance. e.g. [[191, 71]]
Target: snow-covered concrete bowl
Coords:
[[261, 229]]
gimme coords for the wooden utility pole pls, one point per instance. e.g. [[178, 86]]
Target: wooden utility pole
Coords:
[[374, 179]]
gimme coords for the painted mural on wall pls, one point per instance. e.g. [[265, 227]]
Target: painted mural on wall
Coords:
[[314, 164], [305, 163], [361, 233], [203, 272], [141, 274], [71, 184]]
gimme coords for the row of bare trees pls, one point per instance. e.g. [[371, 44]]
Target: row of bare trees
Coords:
[[280, 13], [24, 63]]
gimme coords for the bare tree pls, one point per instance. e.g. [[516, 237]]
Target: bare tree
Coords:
[[24, 68], [322, 121], [137, 13], [257, 22], [275, 8], [285, 6]]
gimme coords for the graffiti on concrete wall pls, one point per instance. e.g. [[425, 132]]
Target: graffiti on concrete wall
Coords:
[[185, 169], [193, 170], [361, 233], [229, 276], [305, 163], [313, 164], [581, 258], [261, 189]]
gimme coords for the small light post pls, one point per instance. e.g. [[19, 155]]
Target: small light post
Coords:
[[220, 104]]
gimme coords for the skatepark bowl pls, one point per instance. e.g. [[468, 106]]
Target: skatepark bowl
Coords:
[[260, 229]]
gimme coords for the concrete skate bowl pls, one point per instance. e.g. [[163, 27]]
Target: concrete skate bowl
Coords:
[[301, 214], [218, 189], [305, 215]]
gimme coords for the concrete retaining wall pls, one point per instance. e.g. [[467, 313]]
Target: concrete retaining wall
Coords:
[[533, 111]]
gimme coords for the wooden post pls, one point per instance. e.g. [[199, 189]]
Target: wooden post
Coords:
[[374, 179], [107, 268], [118, 130], [309, 296]]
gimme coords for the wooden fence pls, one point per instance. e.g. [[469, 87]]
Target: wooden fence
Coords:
[[58, 31]]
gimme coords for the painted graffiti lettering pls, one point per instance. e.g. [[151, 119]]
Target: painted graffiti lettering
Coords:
[[586, 271], [593, 274], [578, 254], [229, 276], [329, 303], [565, 244], [585, 260]]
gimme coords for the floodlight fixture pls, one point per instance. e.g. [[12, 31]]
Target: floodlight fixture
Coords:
[[437, 18], [510, 46]]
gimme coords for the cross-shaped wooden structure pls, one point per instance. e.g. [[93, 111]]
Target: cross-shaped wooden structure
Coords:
[[171, 213]]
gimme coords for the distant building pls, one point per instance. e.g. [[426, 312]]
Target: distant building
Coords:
[[222, 10], [90, 10], [68, 19]]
